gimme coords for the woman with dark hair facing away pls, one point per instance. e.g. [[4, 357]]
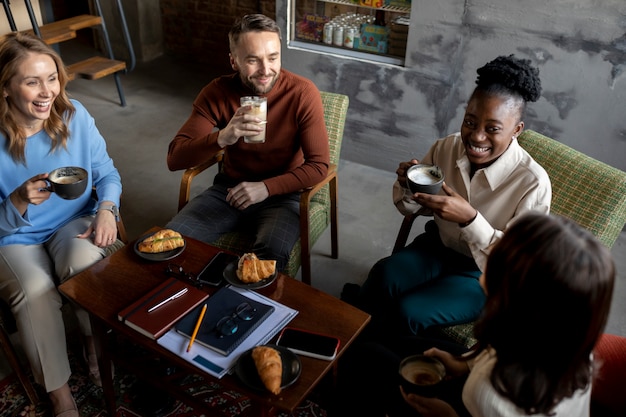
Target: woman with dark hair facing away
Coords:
[[44, 239], [489, 182], [549, 285]]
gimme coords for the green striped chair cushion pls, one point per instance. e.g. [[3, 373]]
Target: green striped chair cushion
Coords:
[[588, 191]]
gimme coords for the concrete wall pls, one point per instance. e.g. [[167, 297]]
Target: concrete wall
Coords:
[[397, 112]]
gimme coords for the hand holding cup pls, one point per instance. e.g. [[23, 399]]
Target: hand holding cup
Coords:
[[258, 108], [421, 375], [424, 178]]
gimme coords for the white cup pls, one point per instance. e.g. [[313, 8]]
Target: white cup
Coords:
[[258, 109]]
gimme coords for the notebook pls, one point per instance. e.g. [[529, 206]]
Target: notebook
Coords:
[[224, 304], [181, 297]]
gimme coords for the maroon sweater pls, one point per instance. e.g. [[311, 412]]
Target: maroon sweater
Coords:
[[295, 154]]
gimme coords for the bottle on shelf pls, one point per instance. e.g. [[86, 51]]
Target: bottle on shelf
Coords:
[[379, 20]]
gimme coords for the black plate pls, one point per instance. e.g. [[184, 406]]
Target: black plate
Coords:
[[247, 373], [230, 275], [161, 256]]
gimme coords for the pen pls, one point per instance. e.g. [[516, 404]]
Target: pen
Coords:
[[173, 297], [195, 330]]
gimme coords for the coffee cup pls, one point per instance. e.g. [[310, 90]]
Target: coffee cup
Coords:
[[68, 182], [424, 178], [421, 375], [258, 108]]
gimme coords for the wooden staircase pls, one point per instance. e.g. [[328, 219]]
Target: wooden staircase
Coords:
[[92, 68]]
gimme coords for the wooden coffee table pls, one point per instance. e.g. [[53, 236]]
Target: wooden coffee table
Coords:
[[113, 283]]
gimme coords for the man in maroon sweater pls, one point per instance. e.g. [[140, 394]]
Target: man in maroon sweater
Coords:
[[259, 186]]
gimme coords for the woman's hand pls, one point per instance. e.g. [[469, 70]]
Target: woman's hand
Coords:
[[451, 207], [454, 367], [429, 407], [103, 228], [32, 191], [401, 171]]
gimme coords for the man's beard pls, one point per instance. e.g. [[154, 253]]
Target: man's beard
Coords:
[[256, 88]]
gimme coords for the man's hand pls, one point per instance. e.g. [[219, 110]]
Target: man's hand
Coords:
[[451, 207], [244, 194], [242, 124], [401, 171]]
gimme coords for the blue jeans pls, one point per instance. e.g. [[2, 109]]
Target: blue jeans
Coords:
[[422, 285], [274, 223]]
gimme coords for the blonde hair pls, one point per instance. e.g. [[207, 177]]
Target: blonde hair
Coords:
[[14, 48]]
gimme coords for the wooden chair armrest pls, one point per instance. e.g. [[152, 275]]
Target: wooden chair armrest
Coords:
[[403, 234], [190, 174], [309, 192]]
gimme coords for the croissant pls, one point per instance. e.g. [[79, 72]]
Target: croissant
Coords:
[[269, 366], [161, 241], [252, 269]]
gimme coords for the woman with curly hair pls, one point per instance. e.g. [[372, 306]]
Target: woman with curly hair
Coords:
[[489, 182], [45, 239]]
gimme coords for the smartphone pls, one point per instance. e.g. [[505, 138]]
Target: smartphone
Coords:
[[213, 272], [307, 343]]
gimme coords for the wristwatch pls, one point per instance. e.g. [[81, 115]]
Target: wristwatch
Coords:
[[112, 208]]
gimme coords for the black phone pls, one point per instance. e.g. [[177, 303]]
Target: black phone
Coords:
[[308, 343], [213, 272]]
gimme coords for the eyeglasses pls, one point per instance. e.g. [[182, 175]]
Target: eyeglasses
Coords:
[[227, 326]]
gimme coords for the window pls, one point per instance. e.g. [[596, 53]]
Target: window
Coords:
[[372, 30]]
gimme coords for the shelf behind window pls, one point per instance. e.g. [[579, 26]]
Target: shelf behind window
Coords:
[[387, 8], [307, 17], [324, 49]]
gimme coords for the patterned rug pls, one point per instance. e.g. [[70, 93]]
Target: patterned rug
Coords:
[[134, 398]]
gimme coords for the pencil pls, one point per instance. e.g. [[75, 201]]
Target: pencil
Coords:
[[195, 331]]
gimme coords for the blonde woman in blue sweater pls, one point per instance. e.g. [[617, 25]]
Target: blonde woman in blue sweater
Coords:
[[45, 239]]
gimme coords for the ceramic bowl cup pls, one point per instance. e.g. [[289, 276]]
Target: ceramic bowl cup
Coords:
[[68, 182], [424, 178], [421, 375]]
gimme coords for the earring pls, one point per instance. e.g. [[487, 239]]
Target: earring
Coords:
[[514, 137]]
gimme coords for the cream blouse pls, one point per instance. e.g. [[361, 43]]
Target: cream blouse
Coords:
[[481, 399], [513, 185]]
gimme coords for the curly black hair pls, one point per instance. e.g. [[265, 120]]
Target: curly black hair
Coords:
[[507, 74]]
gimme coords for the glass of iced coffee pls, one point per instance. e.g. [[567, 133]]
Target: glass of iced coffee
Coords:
[[258, 108]]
